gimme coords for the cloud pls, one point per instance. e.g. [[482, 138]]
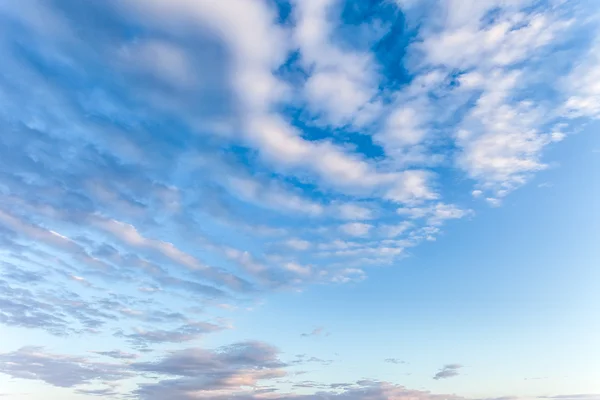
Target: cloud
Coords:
[[58, 370], [361, 390], [341, 82], [201, 372], [184, 333], [274, 196], [355, 212], [356, 229], [58, 312], [582, 86], [315, 332], [435, 214], [297, 244], [118, 354], [394, 361], [448, 371], [130, 235]]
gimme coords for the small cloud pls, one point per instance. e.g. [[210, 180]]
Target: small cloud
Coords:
[[476, 193], [557, 136], [354, 212], [494, 202], [356, 229], [117, 354], [316, 332], [394, 361], [297, 244], [449, 371]]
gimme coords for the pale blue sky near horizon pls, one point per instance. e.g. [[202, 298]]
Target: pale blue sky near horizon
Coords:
[[300, 199]]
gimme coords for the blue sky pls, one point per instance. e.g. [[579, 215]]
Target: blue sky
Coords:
[[303, 199]]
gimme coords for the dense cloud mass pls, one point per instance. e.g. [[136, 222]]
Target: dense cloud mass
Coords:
[[166, 162]]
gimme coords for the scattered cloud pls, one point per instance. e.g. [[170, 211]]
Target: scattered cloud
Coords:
[[118, 354], [59, 370], [394, 361], [448, 371], [356, 229], [315, 332], [184, 333]]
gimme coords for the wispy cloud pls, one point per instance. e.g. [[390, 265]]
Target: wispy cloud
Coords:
[[448, 371], [315, 332]]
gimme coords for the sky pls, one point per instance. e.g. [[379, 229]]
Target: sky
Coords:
[[300, 199]]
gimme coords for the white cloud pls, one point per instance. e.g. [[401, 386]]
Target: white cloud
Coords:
[[341, 82], [298, 244], [354, 212], [161, 59], [583, 86], [403, 128], [500, 141], [356, 229], [272, 195], [130, 235], [435, 214], [394, 230], [510, 39], [298, 269]]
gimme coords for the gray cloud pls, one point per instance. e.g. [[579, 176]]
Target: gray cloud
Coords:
[[315, 332], [184, 333], [303, 359], [573, 397], [448, 371], [199, 370], [58, 370], [362, 390], [117, 354]]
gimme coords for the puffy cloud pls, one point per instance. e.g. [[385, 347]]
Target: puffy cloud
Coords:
[[199, 371]]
